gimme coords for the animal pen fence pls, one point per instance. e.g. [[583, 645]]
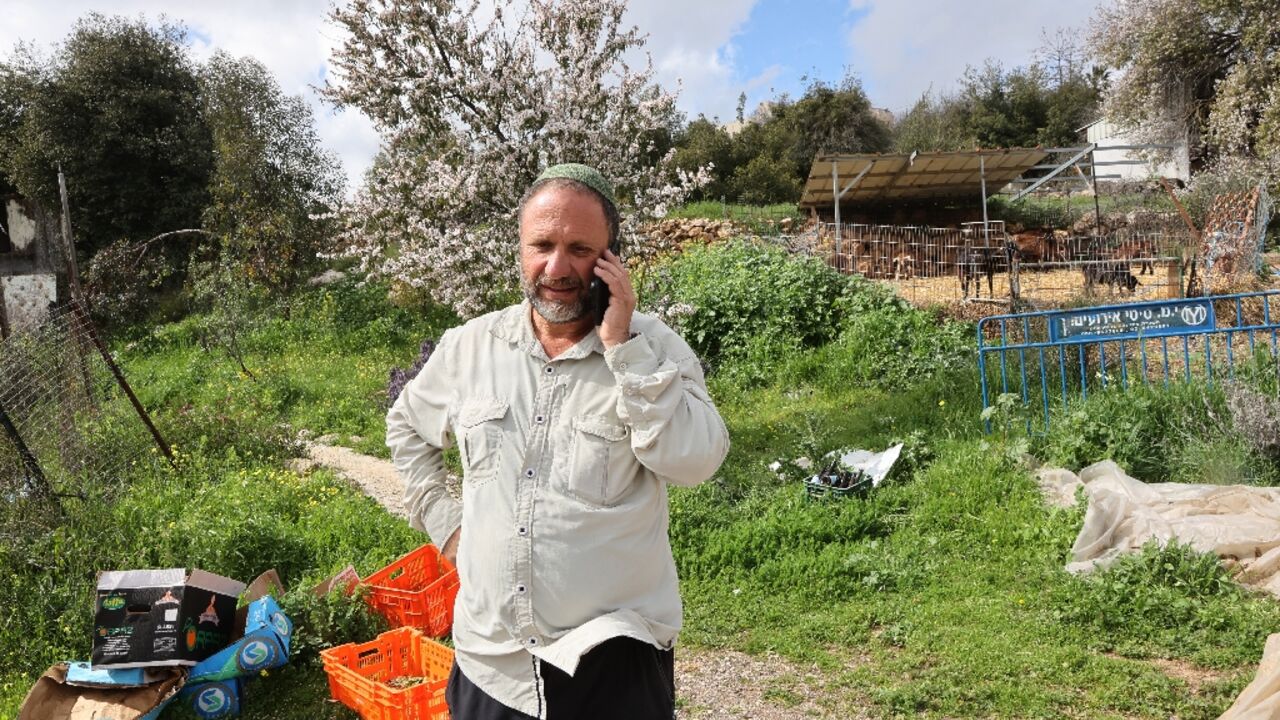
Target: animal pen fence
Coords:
[[68, 431], [1132, 255], [1050, 234]]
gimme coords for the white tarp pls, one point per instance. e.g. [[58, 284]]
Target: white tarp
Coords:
[[1261, 699], [1238, 523]]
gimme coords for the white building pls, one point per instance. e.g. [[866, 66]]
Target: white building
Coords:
[[28, 282], [1113, 147]]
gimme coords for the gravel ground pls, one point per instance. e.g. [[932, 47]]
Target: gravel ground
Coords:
[[710, 684]]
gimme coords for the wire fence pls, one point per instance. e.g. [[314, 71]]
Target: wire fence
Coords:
[[1142, 255], [67, 431]]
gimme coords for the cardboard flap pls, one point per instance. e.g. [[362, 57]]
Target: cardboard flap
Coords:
[[118, 579], [268, 583], [52, 698], [347, 579], [215, 583], [84, 674]]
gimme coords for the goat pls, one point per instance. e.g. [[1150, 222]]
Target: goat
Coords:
[[972, 262], [1115, 273], [1039, 246], [904, 266], [1141, 250]]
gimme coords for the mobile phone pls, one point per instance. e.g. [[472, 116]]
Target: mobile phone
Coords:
[[598, 292]]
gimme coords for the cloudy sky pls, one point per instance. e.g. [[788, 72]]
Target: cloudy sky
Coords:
[[714, 49]]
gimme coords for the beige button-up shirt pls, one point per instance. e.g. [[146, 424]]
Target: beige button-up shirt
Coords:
[[564, 503]]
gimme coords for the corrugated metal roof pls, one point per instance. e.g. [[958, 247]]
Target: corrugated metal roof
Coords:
[[921, 176]]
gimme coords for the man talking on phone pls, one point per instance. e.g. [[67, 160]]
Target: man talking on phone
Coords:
[[572, 413]]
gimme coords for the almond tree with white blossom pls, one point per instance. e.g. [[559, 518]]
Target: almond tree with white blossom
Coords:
[[471, 111]]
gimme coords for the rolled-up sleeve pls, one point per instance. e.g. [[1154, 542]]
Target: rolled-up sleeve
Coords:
[[676, 430], [417, 435]]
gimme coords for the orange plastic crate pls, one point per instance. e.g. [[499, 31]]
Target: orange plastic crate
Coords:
[[416, 591], [358, 673]]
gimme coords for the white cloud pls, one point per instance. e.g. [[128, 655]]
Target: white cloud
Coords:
[[900, 49], [691, 44]]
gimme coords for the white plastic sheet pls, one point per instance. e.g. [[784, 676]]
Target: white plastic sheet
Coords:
[[1238, 523]]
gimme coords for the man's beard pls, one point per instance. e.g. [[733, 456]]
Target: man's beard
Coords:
[[553, 311]]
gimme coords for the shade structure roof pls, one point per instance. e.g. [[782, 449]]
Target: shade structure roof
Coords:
[[915, 176]]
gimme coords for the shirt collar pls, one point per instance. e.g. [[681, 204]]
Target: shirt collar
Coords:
[[515, 325]]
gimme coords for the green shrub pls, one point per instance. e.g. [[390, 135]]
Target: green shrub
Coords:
[[887, 347], [747, 300], [1142, 428], [1167, 599]]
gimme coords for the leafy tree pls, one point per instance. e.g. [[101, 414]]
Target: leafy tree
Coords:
[[1210, 67], [118, 107], [1023, 107], [471, 113], [273, 185], [705, 143], [766, 170], [832, 119], [769, 159], [934, 122]]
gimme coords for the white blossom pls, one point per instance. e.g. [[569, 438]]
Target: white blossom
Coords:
[[470, 114]]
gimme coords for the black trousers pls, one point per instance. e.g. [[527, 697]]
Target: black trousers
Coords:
[[620, 679]]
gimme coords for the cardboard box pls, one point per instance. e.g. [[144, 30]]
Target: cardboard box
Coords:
[[264, 645], [77, 691], [150, 618], [210, 700]]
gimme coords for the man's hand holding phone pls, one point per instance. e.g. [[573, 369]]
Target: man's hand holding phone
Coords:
[[615, 328]]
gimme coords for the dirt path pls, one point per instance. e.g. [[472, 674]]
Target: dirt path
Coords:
[[711, 684]]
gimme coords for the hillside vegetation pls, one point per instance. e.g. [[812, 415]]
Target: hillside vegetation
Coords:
[[941, 593]]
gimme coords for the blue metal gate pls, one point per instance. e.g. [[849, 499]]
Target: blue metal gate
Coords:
[[1047, 359]]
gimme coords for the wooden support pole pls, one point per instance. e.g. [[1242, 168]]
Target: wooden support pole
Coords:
[[82, 316]]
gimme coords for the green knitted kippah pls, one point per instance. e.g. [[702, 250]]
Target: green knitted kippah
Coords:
[[584, 174]]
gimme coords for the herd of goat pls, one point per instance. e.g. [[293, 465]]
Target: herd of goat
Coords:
[[907, 253]]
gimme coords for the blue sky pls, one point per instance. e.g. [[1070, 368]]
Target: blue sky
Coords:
[[712, 50], [777, 49]]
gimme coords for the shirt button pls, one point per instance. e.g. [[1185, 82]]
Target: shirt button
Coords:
[[548, 370], [520, 588], [529, 473], [539, 419], [522, 531], [531, 641], [622, 366]]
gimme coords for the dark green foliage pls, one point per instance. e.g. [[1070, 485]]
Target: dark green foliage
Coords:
[[758, 314], [703, 142], [745, 296], [271, 179], [1142, 429], [323, 621], [769, 158], [994, 108], [118, 106]]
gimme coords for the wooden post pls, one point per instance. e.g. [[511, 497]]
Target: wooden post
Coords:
[[68, 243]]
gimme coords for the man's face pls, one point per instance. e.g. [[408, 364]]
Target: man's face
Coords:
[[562, 232]]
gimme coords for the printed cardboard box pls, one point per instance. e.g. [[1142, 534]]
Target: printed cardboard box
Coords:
[[77, 691], [149, 618], [210, 700], [264, 645]]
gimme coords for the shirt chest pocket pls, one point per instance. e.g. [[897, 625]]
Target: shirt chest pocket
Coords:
[[602, 465], [480, 439]]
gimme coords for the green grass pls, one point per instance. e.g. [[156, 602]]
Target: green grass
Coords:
[[940, 594]]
